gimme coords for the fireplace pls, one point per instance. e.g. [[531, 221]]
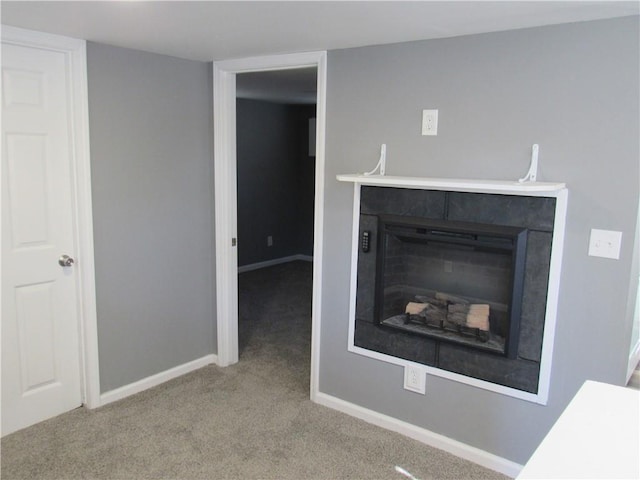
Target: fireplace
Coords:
[[456, 282]]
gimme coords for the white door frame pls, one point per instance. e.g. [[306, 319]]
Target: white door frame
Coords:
[[224, 103], [76, 54]]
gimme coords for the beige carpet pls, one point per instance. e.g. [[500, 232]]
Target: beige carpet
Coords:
[[249, 421]]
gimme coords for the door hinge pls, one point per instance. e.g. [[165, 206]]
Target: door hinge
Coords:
[[233, 242]]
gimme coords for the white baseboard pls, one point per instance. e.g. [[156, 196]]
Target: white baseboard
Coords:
[[462, 450], [275, 261], [155, 380]]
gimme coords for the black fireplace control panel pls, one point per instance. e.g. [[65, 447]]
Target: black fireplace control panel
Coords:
[[365, 241]]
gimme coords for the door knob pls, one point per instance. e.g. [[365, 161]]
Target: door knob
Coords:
[[66, 261]]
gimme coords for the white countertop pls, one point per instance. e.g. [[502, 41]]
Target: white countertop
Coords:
[[596, 437]]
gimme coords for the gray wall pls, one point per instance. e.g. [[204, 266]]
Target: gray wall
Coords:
[[574, 90], [497, 94], [275, 180], [151, 151]]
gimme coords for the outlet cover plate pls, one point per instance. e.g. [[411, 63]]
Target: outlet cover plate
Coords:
[[415, 379], [430, 122]]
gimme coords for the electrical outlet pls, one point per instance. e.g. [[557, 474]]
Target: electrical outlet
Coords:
[[415, 379], [429, 122], [269, 241]]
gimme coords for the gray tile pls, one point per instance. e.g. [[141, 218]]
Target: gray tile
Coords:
[[409, 266], [534, 298], [531, 212], [401, 201], [365, 289], [397, 344], [519, 374]]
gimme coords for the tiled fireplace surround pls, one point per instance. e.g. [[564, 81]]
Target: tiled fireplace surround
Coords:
[[536, 213]]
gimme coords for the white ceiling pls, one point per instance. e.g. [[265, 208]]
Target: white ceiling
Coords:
[[213, 30]]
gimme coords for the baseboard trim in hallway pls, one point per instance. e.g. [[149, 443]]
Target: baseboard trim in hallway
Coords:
[[155, 380], [459, 449]]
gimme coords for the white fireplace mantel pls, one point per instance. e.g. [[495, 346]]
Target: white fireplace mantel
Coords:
[[458, 185]]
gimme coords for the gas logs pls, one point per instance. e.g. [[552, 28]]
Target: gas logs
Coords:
[[445, 310]]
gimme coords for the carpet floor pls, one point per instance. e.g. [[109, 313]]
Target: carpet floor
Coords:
[[253, 420]]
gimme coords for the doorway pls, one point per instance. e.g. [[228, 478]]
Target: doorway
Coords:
[[225, 164], [275, 190], [275, 166]]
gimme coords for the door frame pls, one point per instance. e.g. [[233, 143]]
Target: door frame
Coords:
[[76, 54], [226, 207]]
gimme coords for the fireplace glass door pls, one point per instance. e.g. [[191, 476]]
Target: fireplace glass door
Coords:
[[456, 282]]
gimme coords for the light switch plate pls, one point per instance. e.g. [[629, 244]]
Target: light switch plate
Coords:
[[605, 243]]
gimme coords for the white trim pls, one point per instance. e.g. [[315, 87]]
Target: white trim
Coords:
[[553, 293], [276, 261], [76, 53], [155, 380], [353, 284], [555, 267], [632, 366], [224, 73], [318, 223], [459, 449], [224, 101], [456, 184]]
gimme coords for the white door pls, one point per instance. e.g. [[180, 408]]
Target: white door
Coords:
[[40, 309]]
